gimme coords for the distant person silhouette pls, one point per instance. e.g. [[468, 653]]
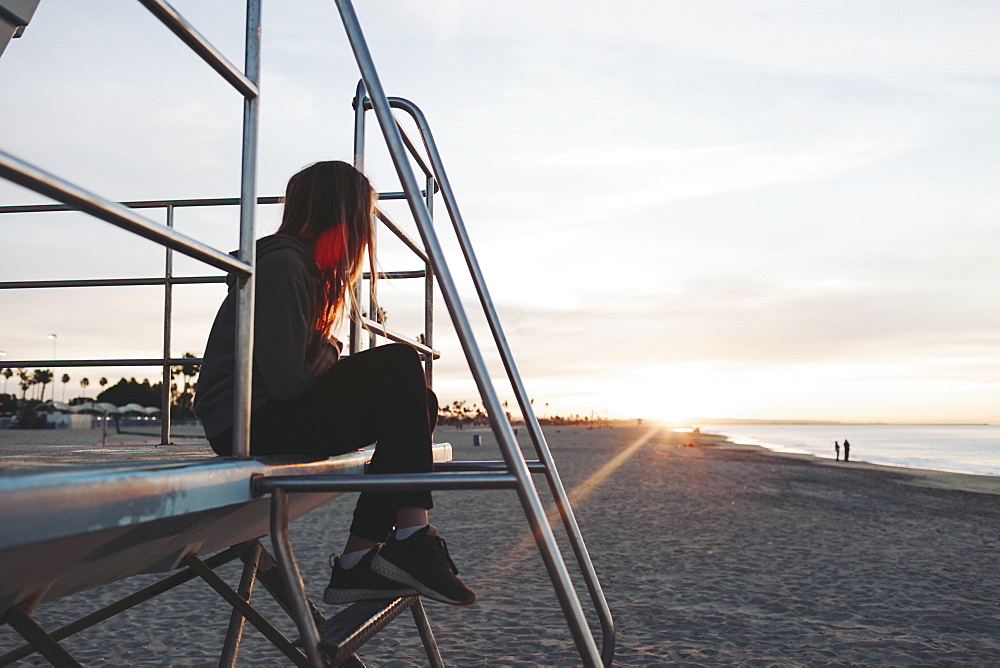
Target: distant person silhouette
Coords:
[[847, 450], [836, 447]]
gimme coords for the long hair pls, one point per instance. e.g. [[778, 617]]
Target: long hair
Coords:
[[328, 206]]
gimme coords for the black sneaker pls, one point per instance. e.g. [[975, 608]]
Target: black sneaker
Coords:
[[422, 562], [361, 583]]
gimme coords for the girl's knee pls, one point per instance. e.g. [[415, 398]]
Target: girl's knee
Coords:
[[400, 353]]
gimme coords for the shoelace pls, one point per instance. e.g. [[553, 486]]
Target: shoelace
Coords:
[[443, 548], [439, 548]]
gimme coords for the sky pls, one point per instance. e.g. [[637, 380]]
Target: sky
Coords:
[[768, 210]]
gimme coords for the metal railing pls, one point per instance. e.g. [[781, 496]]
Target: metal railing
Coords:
[[121, 215], [168, 281]]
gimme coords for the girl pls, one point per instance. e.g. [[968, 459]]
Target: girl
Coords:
[[308, 401]]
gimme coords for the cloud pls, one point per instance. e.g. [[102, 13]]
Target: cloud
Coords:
[[633, 180], [742, 321]]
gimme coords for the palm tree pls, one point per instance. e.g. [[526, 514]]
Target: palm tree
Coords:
[[25, 379], [65, 379], [189, 371], [43, 377], [84, 382], [184, 399], [102, 382], [7, 373]]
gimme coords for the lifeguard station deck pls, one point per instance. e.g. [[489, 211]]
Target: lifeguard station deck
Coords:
[[72, 524], [78, 517]]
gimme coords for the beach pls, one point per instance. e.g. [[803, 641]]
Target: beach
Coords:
[[709, 553]]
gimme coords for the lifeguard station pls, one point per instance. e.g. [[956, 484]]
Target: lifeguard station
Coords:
[[73, 524]]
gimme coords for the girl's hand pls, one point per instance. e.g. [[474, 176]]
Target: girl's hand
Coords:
[[326, 357]]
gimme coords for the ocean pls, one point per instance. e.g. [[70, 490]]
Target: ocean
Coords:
[[956, 448]]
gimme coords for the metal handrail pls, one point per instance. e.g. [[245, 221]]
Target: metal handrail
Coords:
[[530, 501], [179, 26], [24, 174], [361, 104], [524, 402]]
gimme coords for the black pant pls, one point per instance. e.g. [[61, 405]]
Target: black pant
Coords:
[[376, 396]]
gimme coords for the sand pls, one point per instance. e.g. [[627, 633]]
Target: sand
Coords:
[[710, 554]]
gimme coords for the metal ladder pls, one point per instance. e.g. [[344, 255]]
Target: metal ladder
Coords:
[[514, 471]]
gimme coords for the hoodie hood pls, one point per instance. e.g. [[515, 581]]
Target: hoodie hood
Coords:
[[275, 243], [284, 303]]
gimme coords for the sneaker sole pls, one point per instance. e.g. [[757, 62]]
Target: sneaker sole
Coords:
[[390, 570], [335, 596]]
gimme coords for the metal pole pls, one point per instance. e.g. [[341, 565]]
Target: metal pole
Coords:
[[168, 308], [530, 501], [359, 164], [266, 628], [246, 285], [373, 312], [426, 634], [144, 204], [142, 361], [39, 638], [429, 295], [308, 633], [108, 282], [236, 621]]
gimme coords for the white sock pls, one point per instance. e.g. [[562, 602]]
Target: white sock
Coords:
[[351, 559], [405, 532]]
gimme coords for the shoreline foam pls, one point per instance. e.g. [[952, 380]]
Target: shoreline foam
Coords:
[[954, 480]]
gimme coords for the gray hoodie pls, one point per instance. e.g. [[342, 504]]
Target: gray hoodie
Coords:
[[285, 302]]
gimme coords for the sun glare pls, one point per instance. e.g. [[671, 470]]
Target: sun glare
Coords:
[[669, 394]]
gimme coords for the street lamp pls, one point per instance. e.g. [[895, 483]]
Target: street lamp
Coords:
[[54, 337]]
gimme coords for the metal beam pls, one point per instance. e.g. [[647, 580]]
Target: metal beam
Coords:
[[24, 174], [382, 482]]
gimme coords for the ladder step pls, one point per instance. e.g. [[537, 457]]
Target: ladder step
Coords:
[[349, 629]]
